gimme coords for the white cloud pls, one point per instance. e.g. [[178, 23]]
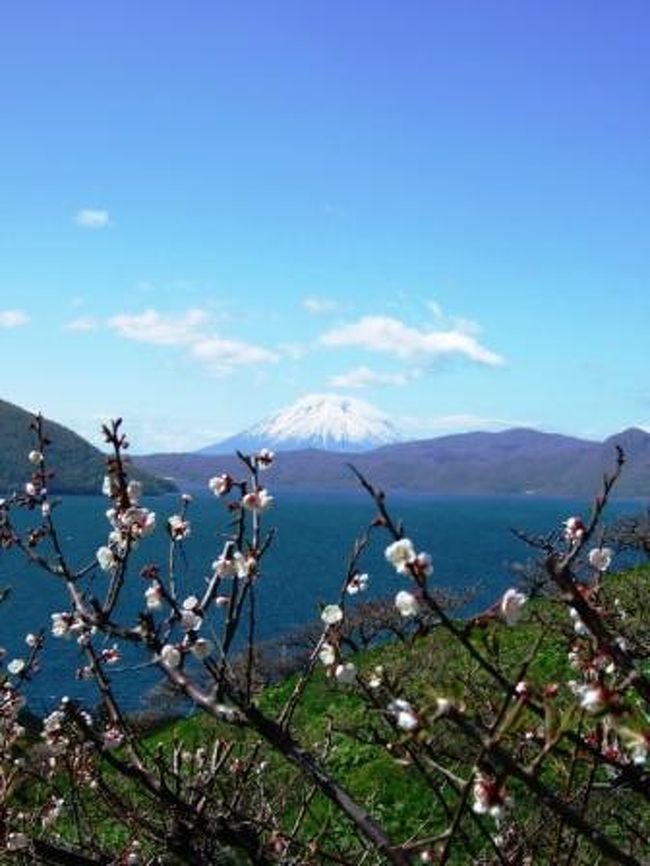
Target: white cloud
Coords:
[[191, 330], [221, 355], [13, 318], [92, 218], [391, 336], [318, 305], [163, 330], [435, 309], [82, 324], [364, 377]]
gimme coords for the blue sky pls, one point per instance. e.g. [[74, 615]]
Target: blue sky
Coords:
[[210, 209]]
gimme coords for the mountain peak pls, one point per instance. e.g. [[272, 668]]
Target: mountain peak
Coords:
[[328, 421]]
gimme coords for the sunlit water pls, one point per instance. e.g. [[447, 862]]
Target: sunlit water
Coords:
[[469, 538]]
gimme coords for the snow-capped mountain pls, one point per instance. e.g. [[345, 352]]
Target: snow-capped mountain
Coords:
[[327, 421]]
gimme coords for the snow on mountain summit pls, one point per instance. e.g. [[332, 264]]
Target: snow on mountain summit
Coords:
[[328, 421]]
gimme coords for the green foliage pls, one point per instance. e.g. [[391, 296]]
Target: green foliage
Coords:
[[80, 468]]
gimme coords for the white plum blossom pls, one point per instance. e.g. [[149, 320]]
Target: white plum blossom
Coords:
[[190, 602], [327, 654], [578, 625], [179, 528], [53, 723], [489, 799], [30, 489], [511, 606], [422, 565], [31, 640], [17, 841], [35, 457], [637, 744], [639, 753], [400, 553], [16, 666], [406, 603], [257, 500], [592, 698], [191, 619], [600, 558], [134, 491], [201, 648], [405, 716], [237, 565], [574, 529], [62, 624], [264, 458], [153, 597], [331, 614], [110, 486], [106, 559], [170, 656], [357, 583], [111, 655], [112, 738], [220, 484], [346, 673], [137, 522]]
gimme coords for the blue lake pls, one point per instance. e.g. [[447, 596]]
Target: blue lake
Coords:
[[469, 539]]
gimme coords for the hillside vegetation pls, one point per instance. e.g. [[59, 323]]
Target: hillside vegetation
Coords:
[[394, 774], [80, 467]]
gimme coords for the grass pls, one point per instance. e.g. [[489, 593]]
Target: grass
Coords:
[[335, 723]]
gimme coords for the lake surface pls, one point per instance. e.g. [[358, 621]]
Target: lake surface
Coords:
[[469, 539]]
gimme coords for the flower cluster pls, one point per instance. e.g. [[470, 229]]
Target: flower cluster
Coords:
[[405, 716], [264, 459], [221, 485], [511, 606], [574, 529], [405, 560], [178, 527], [490, 797], [129, 521], [233, 563], [402, 556], [257, 500], [11, 730]]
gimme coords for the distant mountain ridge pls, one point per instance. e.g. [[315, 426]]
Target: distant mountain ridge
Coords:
[[516, 461], [79, 467], [326, 421]]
